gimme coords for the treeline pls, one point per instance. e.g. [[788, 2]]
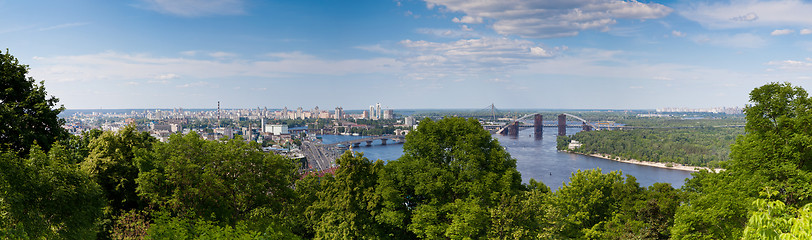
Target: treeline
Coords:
[[695, 146]]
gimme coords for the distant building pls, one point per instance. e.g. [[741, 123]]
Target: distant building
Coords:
[[409, 121], [175, 127], [573, 145], [339, 113], [276, 129], [372, 112], [365, 115], [378, 111], [388, 114]]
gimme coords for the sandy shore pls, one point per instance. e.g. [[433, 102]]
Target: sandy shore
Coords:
[[675, 166]]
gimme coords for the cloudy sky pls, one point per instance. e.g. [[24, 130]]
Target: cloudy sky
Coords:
[[608, 54]]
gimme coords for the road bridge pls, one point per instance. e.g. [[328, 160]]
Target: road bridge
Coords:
[[513, 127], [323, 156]]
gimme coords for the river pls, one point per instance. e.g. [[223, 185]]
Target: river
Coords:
[[540, 160]]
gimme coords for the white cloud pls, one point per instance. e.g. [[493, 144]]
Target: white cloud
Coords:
[[189, 53], [377, 48], [751, 13], [742, 40], [549, 19], [167, 76], [448, 33], [792, 64], [622, 66], [60, 26], [471, 56], [806, 31], [468, 19], [194, 84], [676, 33], [222, 54], [779, 32], [114, 66], [196, 8]]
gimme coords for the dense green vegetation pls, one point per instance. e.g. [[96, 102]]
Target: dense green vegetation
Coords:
[[692, 146], [453, 182]]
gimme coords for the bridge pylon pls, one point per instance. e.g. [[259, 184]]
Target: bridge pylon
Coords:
[[562, 125], [513, 129], [538, 125]]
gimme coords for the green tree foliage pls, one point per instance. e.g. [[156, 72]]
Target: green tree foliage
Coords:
[[772, 219], [451, 173], [694, 146], [715, 206], [347, 200], [778, 144], [180, 228], [773, 153], [223, 182], [589, 199], [44, 197], [111, 163], [521, 216], [27, 114]]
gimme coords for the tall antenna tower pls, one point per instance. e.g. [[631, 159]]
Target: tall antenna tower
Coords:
[[218, 114], [493, 112]]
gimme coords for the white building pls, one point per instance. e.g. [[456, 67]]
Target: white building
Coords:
[[276, 129], [388, 114], [378, 111], [409, 121]]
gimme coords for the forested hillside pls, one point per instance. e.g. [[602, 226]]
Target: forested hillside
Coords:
[[706, 146]]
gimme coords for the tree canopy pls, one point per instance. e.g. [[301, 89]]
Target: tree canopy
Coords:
[[27, 114]]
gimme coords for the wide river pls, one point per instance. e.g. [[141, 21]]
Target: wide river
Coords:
[[539, 159]]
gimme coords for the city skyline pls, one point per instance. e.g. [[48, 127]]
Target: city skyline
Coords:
[[432, 54]]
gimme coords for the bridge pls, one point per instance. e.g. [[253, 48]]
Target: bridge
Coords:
[[369, 140], [512, 128], [322, 156]]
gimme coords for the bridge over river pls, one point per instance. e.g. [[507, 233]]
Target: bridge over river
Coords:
[[323, 156], [512, 128]]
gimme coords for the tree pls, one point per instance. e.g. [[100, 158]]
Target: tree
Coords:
[[27, 114], [225, 182], [111, 163], [348, 201], [590, 198], [774, 153], [778, 143], [451, 173], [43, 197], [772, 219], [521, 216]]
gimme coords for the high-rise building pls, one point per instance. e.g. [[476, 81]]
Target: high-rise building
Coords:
[[388, 114], [372, 112], [378, 110], [409, 121], [339, 113], [365, 115]]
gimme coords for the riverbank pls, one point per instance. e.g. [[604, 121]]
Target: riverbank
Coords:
[[675, 166]]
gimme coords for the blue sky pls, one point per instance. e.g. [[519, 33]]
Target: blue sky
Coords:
[[607, 54]]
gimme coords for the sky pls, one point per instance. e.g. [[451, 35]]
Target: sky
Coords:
[[408, 54]]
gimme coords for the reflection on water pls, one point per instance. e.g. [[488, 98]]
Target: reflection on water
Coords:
[[537, 158]]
